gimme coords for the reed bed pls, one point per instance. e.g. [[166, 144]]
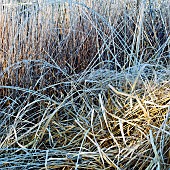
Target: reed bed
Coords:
[[84, 85]]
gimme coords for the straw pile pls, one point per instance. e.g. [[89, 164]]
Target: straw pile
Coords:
[[85, 85]]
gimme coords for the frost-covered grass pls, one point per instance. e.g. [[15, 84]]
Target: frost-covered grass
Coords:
[[84, 85]]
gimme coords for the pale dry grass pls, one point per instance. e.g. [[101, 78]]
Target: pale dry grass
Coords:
[[85, 86]]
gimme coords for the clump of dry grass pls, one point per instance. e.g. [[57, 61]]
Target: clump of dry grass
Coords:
[[84, 86]]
